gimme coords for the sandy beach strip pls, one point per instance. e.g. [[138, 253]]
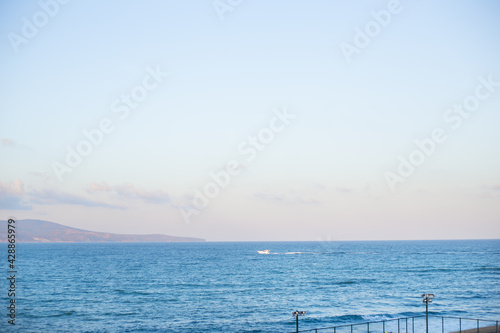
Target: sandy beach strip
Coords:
[[487, 329]]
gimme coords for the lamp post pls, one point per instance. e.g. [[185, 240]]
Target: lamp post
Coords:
[[296, 314], [427, 298]]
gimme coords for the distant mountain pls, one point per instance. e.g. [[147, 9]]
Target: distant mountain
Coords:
[[38, 231]]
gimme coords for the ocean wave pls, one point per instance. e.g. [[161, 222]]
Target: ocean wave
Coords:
[[118, 314], [66, 313], [485, 268], [361, 319], [328, 283], [387, 316], [346, 282], [351, 318], [430, 270], [132, 292], [410, 314]]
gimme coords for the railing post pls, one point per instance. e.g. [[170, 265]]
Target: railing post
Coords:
[[406, 328], [368, 327], [497, 327], [351, 328], [478, 326], [335, 330], [442, 324], [398, 325], [412, 324], [460, 322], [383, 326], [426, 317]]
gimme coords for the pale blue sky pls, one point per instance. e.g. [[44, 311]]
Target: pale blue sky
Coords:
[[320, 178]]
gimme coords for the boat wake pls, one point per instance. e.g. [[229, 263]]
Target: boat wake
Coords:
[[269, 252]]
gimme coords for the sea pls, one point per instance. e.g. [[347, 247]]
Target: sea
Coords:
[[230, 287]]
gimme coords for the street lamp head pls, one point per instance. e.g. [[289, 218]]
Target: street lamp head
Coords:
[[428, 296], [298, 313]]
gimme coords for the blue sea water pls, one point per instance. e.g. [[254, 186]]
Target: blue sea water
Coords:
[[229, 287]]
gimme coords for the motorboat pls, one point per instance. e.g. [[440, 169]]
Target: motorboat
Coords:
[[264, 252]]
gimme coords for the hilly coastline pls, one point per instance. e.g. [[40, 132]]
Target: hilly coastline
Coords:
[[40, 231]]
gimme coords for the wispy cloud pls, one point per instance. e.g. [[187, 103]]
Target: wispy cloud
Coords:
[[496, 187], [129, 191], [99, 187], [319, 186], [12, 196], [8, 142], [269, 197], [343, 190], [490, 191], [55, 197], [289, 198]]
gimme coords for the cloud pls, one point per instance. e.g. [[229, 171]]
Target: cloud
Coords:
[[8, 143], [102, 187], [320, 186], [12, 196], [129, 191], [286, 198], [269, 197], [15, 187], [490, 191], [54, 197], [344, 190], [496, 187], [13, 203]]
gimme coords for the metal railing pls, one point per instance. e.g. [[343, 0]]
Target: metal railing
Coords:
[[416, 324]]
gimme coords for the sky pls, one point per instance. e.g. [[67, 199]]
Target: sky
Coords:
[[253, 120]]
